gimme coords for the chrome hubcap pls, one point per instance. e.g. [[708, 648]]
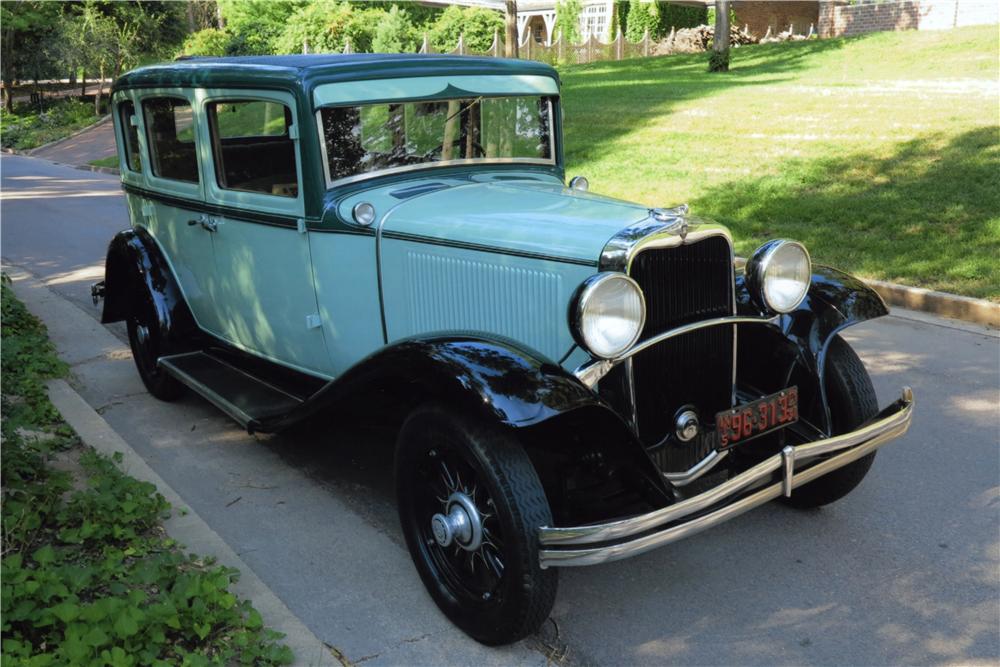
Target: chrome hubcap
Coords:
[[460, 523]]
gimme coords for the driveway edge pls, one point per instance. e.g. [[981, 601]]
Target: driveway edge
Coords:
[[188, 528]]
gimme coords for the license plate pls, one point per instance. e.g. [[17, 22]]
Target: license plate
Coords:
[[762, 416]]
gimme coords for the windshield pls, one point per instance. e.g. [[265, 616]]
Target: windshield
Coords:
[[360, 140]]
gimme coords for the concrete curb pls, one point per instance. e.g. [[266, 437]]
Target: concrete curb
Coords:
[[99, 170], [978, 311], [189, 529], [943, 304]]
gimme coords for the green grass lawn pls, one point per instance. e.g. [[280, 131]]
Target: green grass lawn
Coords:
[[110, 161], [881, 153]]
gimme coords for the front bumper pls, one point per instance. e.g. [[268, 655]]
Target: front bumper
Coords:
[[600, 543]]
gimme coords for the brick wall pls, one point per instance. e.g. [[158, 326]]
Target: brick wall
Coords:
[[838, 19], [759, 16]]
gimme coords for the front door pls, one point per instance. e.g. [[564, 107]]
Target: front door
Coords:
[[266, 299]]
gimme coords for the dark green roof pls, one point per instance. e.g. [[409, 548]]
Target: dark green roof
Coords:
[[303, 72]]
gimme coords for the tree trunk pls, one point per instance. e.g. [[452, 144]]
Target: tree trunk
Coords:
[[190, 16], [100, 89], [83, 83], [218, 16], [720, 43], [510, 24]]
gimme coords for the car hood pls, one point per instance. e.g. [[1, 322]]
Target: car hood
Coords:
[[544, 219]]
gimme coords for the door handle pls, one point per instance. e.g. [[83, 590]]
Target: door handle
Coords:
[[207, 223]]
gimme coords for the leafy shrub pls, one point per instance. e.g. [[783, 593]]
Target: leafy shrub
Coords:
[[87, 575], [680, 16], [568, 21], [642, 17], [477, 25], [28, 128], [208, 42], [395, 33], [326, 27]]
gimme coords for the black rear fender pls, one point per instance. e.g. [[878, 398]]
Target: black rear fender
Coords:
[[136, 273]]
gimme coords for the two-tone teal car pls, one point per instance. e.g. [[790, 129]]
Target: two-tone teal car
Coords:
[[576, 379]]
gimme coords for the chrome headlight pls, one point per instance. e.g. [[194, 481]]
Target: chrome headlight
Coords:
[[778, 274], [608, 314]]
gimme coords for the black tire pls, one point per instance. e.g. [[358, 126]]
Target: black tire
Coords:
[[511, 596], [147, 347], [852, 402]]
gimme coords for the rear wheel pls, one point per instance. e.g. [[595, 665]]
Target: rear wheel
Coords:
[[147, 347], [852, 401], [470, 505]]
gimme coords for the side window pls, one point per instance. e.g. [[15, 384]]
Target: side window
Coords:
[[252, 147], [170, 134], [131, 133]]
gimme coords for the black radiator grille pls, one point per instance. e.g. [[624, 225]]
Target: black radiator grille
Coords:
[[685, 284]]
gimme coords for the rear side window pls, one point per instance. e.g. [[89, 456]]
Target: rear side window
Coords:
[[133, 160], [170, 134], [252, 146]]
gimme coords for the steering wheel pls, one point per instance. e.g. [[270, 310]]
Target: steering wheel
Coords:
[[437, 150]]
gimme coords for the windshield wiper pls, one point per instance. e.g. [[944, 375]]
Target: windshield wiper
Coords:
[[465, 108]]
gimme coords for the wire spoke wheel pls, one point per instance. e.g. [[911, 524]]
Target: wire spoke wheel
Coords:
[[472, 537]]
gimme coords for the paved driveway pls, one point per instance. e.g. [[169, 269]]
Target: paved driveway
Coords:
[[904, 570], [92, 144]]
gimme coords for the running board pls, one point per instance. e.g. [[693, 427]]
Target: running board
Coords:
[[240, 395]]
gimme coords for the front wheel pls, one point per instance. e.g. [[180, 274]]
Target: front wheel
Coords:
[[852, 402], [470, 504]]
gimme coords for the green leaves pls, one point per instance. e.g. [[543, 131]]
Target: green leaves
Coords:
[[89, 577]]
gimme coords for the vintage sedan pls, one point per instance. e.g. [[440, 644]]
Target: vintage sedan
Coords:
[[575, 379]]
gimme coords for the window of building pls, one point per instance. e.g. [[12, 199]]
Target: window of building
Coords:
[[252, 146], [170, 135]]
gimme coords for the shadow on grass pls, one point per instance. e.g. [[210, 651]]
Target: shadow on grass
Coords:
[[929, 213], [606, 100]]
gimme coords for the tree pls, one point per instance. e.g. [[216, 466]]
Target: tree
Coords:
[[207, 42], [643, 17], [511, 38], [29, 35], [719, 59], [476, 25], [257, 25], [568, 21], [395, 33]]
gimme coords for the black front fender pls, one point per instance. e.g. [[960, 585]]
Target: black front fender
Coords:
[[835, 302], [512, 386], [559, 418], [135, 274]]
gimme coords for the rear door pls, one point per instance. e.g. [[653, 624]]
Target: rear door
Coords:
[[263, 278], [164, 182]]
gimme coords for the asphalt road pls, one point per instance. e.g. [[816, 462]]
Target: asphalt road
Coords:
[[904, 570]]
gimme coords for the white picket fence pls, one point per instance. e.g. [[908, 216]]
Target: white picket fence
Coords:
[[591, 50]]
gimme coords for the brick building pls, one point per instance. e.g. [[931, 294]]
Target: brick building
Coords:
[[837, 18]]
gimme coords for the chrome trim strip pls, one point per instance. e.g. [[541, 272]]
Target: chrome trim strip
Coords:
[[630, 388], [893, 424], [590, 372], [697, 470]]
